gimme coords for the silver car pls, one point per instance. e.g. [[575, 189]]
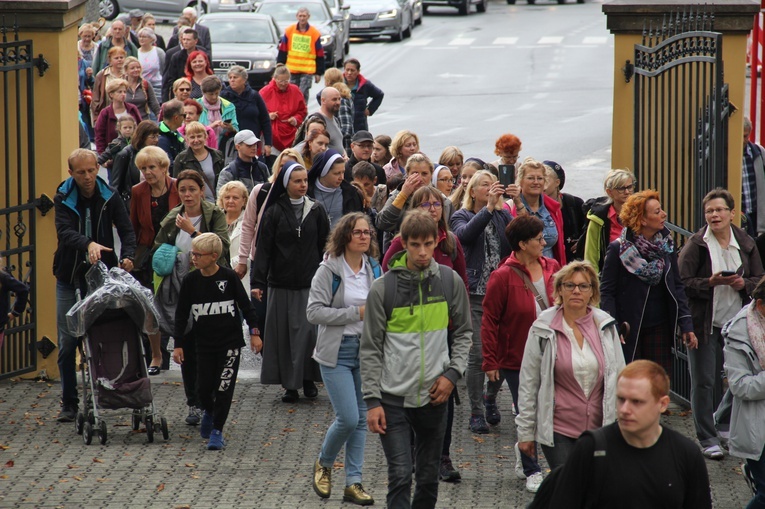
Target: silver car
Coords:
[[374, 18], [170, 10]]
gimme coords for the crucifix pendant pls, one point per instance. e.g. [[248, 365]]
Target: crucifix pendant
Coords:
[[298, 230]]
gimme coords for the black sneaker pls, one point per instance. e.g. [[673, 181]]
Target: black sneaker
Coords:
[[309, 389], [195, 415], [478, 425], [493, 416], [68, 413], [447, 472]]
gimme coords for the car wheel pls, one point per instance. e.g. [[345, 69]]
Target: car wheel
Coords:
[[510, 2], [481, 6], [561, 2], [424, 9], [464, 8], [399, 36], [108, 9], [347, 48], [407, 33], [418, 21], [531, 2]]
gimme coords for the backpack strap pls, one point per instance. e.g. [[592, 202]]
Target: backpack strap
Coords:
[[389, 297], [447, 284], [598, 461], [530, 286]]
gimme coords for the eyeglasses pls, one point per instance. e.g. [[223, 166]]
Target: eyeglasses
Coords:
[[195, 254], [532, 178], [718, 211], [428, 205], [625, 189], [444, 180], [583, 287], [154, 136], [282, 82], [538, 239], [361, 233], [184, 90]]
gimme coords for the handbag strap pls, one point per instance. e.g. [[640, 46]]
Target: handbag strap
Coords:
[[530, 286]]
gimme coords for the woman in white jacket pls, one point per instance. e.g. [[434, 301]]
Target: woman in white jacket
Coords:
[[745, 366], [336, 304], [569, 368]]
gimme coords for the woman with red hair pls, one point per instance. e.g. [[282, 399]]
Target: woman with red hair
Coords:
[[641, 284], [507, 147], [197, 68]]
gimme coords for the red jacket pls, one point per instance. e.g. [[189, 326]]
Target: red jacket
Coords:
[[140, 210], [509, 310], [457, 265], [106, 125], [559, 249], [287, 104]]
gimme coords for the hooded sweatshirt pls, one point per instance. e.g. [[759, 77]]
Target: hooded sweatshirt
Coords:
[[403, 356]]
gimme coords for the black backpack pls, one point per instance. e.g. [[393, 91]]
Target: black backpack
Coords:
[[543, 498]]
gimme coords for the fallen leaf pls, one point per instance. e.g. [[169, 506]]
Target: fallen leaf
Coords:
[[291, 411], [186, 437], [195, 477], [182, 507], [288, 430], [479, 440], [4, 447], [267, 444], [77, 478], [102, 479], [72, 467], [160, 487], [190, 465], [8, 464], [97, 460]]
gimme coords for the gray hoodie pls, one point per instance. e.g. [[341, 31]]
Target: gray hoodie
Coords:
[[330, 313]]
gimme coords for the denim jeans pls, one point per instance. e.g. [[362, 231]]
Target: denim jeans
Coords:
[[474, 378], [705, 364], [429, 424], [67, 344], [558, 455], [343, 384], [757, 467], [530, 465]]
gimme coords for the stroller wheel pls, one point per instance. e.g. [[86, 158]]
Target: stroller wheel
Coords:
[[136, 419], [87, 433], [163, 426], [78, 423], [150, 429], [102, 432]]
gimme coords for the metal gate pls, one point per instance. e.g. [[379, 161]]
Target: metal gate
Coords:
[[17, 195], [681, 125]]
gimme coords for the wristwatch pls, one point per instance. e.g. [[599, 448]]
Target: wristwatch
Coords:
[[254, 331], [194, 234]]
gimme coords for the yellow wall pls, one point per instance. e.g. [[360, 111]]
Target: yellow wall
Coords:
[[56, 136], [622, 137]]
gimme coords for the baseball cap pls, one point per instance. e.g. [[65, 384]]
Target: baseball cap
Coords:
[[136, 13], [360, 136], [246, 136]]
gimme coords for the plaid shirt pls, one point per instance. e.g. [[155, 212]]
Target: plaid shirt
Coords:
[[748, 182], [345, 116]]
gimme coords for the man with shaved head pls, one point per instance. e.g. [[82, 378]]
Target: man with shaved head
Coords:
[[117, 37], [330, 106]]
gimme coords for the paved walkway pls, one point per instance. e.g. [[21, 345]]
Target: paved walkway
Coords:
[[267, 464]]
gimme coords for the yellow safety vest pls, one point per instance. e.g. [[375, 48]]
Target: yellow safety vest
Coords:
[[301, 49]]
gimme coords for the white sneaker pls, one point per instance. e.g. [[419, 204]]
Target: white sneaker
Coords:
[[518, 464], [534, 481]]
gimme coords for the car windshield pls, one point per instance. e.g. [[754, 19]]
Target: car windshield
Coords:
[[236, 31], [374, 4], [286, 11]]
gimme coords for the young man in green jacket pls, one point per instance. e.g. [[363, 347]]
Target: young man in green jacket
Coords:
[[408, 366]]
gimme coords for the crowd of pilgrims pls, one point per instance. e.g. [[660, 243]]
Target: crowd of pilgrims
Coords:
[[258, 171]]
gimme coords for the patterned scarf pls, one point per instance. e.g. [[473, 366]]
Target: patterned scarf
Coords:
[[213, 114], [645, 258], [755, 326], [491, 257]]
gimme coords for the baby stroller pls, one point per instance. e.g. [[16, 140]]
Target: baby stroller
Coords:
[[110, 320]]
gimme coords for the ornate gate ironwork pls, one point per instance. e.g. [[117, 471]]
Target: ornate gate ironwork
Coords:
[[17, 195], [681, 125]]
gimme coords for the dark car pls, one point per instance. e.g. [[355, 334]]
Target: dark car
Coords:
[[374, 18], [463, 6], [334, 28], [247, 39]]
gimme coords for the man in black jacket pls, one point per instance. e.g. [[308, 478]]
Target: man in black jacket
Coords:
[[175, 62], [86, 210], [362, 144]]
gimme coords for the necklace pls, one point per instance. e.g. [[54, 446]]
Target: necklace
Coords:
[[161, 192]]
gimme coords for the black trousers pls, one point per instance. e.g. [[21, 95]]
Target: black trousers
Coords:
[[216, 379]]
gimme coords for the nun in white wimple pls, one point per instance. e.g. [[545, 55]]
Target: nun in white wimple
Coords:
[[289, 248]]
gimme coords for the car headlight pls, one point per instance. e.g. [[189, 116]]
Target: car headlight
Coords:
[[326, 40], [262, 64], [387, 14]]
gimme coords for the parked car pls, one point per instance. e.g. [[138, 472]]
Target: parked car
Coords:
[[374, 18], [341, 7], [335, 29], [247, 39], [463, 6], [418, 9], [170, 10]]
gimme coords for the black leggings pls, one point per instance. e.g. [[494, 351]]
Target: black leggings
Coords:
[[216, 381]]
